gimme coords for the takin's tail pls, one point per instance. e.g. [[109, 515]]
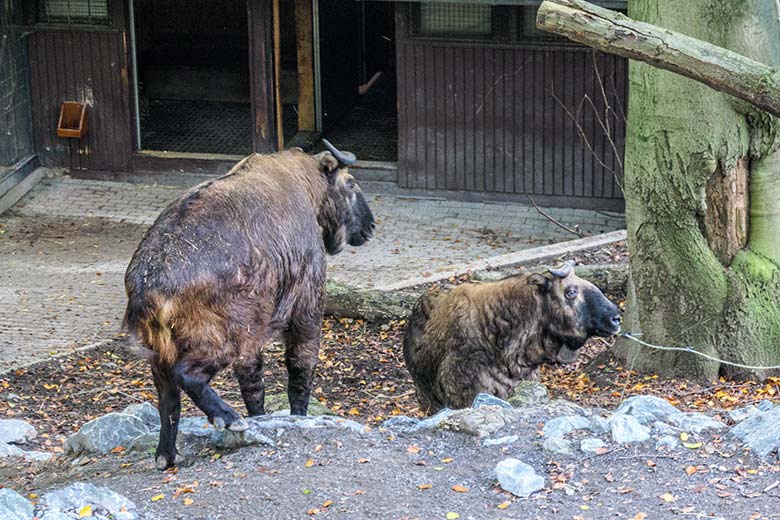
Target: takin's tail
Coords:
[[150, 321]]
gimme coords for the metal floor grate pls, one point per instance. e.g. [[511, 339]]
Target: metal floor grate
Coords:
[[198, 127]]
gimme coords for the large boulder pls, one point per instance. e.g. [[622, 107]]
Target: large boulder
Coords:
[[694, 422], [105, 433], [759, 432], [560, 426], [481, 421], [646, 408], [104, 502], [627, 429], [16, 431]]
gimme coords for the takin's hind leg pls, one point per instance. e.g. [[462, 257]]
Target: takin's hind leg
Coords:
[[301, 356], [249, 372], [194, 378], [169, 406]]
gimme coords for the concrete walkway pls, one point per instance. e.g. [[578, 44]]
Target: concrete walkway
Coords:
[[65, 246]]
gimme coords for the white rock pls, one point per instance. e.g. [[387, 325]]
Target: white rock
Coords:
[[16, 431], [560, 426], [646, 408], [626, 429], [592, 444], [14, 506], [518, 478], [694, 422], [558, 445]]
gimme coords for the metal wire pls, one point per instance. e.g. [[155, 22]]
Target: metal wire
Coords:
[[632, 337]]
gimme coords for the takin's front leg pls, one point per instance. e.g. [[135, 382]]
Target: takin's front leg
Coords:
[[301, 357], [194, 378], [249, 372]]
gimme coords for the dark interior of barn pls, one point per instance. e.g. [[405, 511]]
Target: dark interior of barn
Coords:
[[193, 76]]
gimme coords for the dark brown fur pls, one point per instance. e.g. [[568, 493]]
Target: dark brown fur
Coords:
[[233, 263], [487, 337]]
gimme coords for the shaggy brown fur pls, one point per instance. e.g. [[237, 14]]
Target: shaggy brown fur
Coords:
[[487, 337], [233, 263]]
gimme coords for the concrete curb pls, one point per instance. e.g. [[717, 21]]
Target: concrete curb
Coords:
[[535, 254]]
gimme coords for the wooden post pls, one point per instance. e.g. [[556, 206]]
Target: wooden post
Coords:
[[718, 68], [305, 45], [277, 76]]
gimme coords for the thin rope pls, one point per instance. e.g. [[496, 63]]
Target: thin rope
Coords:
[[633, 337]]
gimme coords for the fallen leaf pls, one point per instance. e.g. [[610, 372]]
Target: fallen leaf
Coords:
[[667, 497], [155, 498], [424, 486], [683, 436], [413, 449], [327, 503], [362, 461], [188, 501], [690, 470], [309, 463], [452, 515], [639, 516], [460, 489], [447, 460], [504, 504], [85, 512], [692, 445]]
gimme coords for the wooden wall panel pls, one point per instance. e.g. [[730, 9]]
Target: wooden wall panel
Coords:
[[89, 67], [509, 119]]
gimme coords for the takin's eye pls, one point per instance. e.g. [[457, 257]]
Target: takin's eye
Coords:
[[570, 293]]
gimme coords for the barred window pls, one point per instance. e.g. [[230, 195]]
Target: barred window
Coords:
[[527, 30], [75, 12], [458, 20]]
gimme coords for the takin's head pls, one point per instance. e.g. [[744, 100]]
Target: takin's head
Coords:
[[573, 311], [345, 217]]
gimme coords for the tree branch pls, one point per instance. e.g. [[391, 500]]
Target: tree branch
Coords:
[[714, 66]]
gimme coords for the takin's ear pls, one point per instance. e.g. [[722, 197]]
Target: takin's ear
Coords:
[[326, 163], [540, 280]]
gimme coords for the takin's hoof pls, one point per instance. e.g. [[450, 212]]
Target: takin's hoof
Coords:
[[239, 425], [219, 424]]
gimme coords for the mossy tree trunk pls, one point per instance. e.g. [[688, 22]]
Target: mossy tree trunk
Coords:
[[702, 189]]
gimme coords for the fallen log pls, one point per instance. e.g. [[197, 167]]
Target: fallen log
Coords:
[[615, 33]]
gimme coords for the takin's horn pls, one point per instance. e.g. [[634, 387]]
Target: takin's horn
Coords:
[[345, 158], [562, 271]]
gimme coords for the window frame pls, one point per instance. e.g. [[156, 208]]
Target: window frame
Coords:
[[36, 18]]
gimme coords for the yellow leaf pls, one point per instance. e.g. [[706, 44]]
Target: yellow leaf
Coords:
[[424, 486], [188, 501], [85, 512], [327, 503], [683, 436], [155, 498], [32, 495], [584, 507], [353, 411], [452, 515], [460, 489], [447, 460], [667, 497], [504, 505], [692, 445], [309, 463]]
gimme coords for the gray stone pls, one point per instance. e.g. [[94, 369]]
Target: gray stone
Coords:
[[401, 422], [105, 433], [14, 506], [599, 425], [558, 445], [694, 422], [765, 405], [278, 402], [9, 450], [663, 428], [740, 414], [500, 440], [404, 424], [103, 500], [627, 428], [558, 407], [592, 444], [646, 408], [146, 412], [528, 393], [37, 456], [667, 442], [560, 426], [16, 431], [518, 478], [760, 432], [483, 399], [480, 422]]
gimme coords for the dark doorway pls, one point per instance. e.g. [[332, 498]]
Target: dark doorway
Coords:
[[193, 76], [357, 69]]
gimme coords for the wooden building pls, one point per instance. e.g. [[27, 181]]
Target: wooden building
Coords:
[[445, 98]]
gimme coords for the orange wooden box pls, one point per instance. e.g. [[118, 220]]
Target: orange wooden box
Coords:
[[73, 119]]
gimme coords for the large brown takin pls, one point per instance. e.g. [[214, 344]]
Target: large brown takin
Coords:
[[228, 266], [487, 337]]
